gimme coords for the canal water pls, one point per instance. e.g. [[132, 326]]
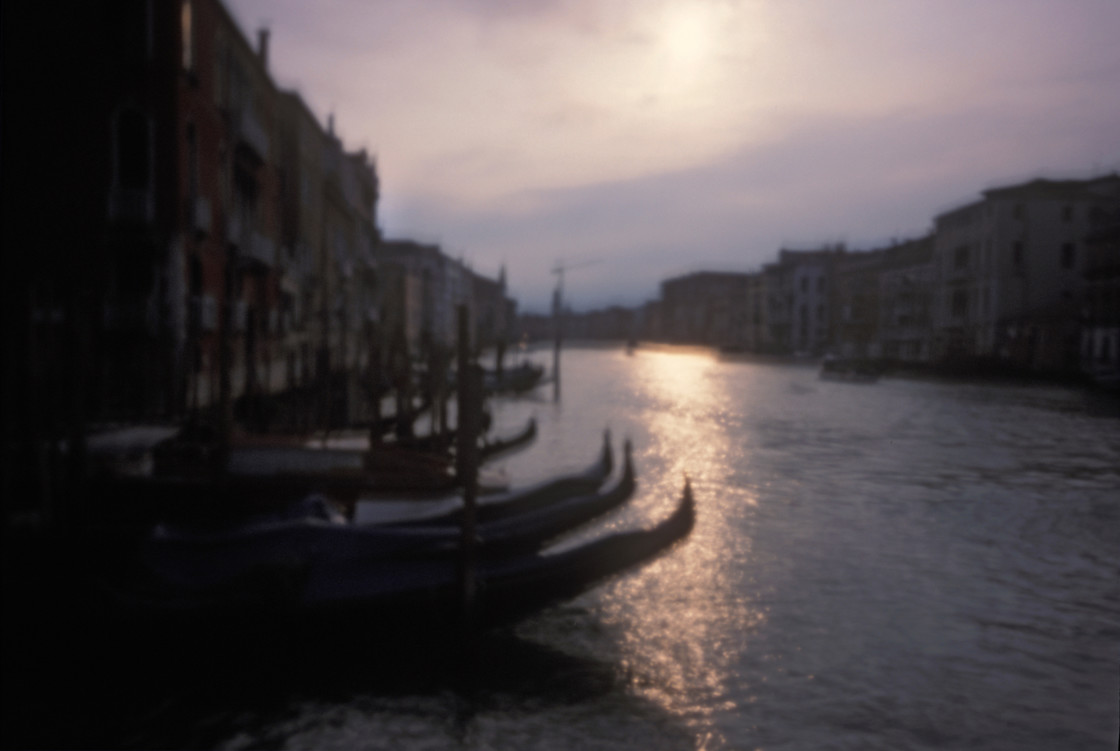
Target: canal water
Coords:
[[903, 565], [909, 564]]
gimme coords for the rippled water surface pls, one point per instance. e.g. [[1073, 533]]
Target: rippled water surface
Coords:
[[904, 565]]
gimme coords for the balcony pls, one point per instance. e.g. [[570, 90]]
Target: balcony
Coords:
[[201, 216], [135, 206], [258, 250]]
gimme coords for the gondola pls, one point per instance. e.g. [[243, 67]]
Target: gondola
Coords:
[[175, 479], [516, 380], [448, 511], [489, 450], [201, 558], [417, 588]]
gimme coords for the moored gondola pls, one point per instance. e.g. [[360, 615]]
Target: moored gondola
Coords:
[[519, 379], [171, 477], [448, 510], [199, 558], [412, 589]]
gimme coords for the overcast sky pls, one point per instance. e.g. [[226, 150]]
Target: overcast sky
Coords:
[[644, 139]]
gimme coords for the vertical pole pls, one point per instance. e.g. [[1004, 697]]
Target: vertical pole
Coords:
[[374, 384], [442, 371], [225, 366], [68, 504], [558, 316], [469, 397]]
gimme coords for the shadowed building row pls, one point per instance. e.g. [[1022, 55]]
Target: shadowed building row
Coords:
[[1025, 277], [181, 233]]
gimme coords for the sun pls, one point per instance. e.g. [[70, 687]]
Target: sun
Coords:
[[687, 34]]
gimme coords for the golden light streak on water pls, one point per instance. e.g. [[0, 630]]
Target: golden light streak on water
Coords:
[[684, 620]]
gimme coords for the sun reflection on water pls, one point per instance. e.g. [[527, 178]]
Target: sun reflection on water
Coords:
[[685, 620]]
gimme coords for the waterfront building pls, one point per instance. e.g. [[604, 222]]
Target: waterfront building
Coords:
[[200, 203], [705, 307], [651, 322], [1010, 273], [799, 295], [1100, 336], [202, 169], [247, 96], [328, 275], [302, 142], [855, 304], [905, 299], [494, 311], [431, 284], [89, 218], [613, 323], [753, 324]]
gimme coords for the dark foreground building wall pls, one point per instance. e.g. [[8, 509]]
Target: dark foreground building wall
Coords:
[[88, 207]]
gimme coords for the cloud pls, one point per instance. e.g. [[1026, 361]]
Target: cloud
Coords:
[[664, 136], [826, 179]]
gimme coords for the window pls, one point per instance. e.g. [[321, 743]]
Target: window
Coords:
[[959, 303], [192, 160], [186, 20], [960, 257], [1069, 256]]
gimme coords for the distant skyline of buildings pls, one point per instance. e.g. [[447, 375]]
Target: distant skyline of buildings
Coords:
[[1027, 275]]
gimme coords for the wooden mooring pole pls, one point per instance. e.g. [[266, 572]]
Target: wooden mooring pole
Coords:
[[470, 413], [558, 321]]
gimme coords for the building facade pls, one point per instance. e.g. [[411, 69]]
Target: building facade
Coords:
[[706, 307], [1010, 273], [906, 291], [1100, 336]]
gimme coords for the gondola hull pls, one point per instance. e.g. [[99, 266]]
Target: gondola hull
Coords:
[[448, 511], [185, 559], [418, 591]]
